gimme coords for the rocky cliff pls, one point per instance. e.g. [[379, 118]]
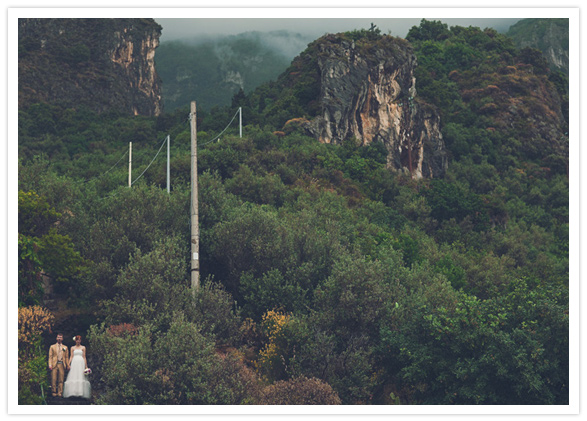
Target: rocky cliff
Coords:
[[104, 64], [368, 91], [551, 36], [365, 88]]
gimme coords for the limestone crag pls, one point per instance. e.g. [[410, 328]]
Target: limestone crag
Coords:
[[104, 64], [549, 35], [370, 94]]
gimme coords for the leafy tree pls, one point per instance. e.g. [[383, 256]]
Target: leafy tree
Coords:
[[42, 250], [535, 58], [271, 291], [479, 352], [299, 391], [452, 201], [151, 287], [253, 241], [434, 30]]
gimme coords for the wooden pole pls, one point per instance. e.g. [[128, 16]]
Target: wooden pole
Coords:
[[129, 163], [195, 231]]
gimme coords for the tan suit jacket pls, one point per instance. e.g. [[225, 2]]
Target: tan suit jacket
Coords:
[[54, 352]]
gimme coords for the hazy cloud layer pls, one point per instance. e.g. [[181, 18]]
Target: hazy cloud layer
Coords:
[[177, 28]]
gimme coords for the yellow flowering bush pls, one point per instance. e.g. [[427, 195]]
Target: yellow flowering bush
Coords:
[[32, 322], [32, 363], [270, 360]]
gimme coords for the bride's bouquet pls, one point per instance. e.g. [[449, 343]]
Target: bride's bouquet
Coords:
[[88, 371]]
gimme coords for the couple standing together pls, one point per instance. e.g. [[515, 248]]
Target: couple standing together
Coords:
[[61, 360]]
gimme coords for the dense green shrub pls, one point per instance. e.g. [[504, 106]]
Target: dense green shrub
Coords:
[[299, 391], [175, 366]]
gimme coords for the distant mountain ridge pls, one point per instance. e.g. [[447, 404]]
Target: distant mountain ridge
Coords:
[[550, 36], [213, 69]]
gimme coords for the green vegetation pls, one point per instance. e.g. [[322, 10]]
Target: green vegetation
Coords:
[[326, 277]]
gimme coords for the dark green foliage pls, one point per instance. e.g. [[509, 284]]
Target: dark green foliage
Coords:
[[452, 201], [213, 309], [264, 236], [75, 54], [428, 30], [150, 287], [453, 273], [272, 290], [371, 34], [33, 380], [388, 289], [179, 366], [43, 251], [534, 58], [484, 352]]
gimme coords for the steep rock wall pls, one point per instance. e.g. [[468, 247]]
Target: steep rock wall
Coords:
[[370, 93], [104, 64], [551, 36]]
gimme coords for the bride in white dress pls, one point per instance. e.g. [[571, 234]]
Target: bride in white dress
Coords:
[[77, 384]]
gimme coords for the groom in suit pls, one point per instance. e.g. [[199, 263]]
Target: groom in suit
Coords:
[[58, 363]]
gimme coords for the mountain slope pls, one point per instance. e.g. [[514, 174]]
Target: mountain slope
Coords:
[[214, 69], [357, 85], [326, 277], [550, 36], [492, 96], [104, 64]]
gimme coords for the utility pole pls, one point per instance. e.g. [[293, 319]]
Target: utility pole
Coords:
[[194, 205], [168, 170], [240, 121], [129, 163]]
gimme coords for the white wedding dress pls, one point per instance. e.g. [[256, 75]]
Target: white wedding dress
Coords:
[[77, 384]]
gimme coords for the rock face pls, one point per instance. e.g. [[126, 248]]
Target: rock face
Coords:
[[104, 64], [369, 92], [551, 36]]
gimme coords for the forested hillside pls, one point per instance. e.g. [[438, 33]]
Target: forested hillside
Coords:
[[326, 277]]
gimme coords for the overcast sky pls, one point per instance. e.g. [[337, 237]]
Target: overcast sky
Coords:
[[177, 28]]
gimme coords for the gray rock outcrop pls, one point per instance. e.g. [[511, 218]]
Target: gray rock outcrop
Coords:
[[370, 94]]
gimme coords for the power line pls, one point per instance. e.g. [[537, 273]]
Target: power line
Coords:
[[161, 147], [103, 174], [157, 154], [227, 126]]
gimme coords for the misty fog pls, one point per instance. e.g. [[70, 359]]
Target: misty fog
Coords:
[[306, 29]]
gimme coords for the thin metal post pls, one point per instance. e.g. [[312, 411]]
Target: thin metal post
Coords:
[[129, 164], [195, 231], [240, 121], [168, 168]]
